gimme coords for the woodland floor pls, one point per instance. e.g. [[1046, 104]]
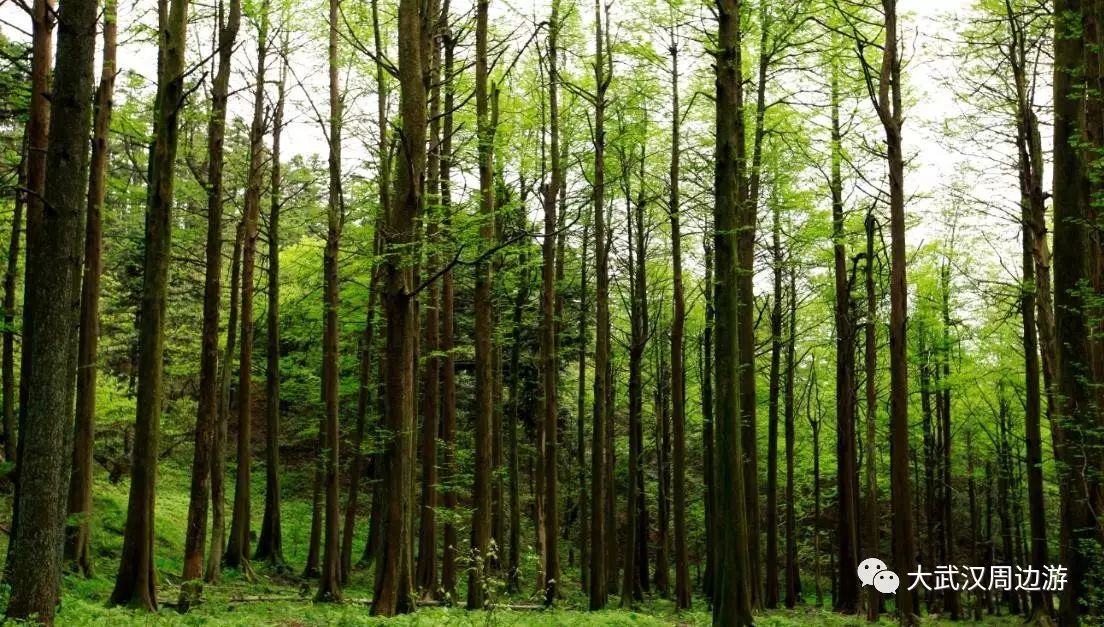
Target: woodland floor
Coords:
[[286, 600]]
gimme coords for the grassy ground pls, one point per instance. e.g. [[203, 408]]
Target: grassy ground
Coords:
[[286, 601]]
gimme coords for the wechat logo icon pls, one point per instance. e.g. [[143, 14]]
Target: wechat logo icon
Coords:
[[873, 572]]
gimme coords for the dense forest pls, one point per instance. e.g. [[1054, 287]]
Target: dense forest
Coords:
[[569, 312]]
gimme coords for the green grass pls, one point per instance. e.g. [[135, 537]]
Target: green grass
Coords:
[[287, 601]]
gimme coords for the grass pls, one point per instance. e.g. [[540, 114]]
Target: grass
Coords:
[[287, 601]]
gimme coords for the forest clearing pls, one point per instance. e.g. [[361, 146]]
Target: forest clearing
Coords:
[[560, 312]]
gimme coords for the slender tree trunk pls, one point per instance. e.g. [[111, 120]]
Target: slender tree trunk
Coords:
[[513, 561], [771, 598], [732, 600], [678, 372], [78, 541], [847, 479], [585, 505], [207, 417], [329, 585], [663, 498], [815, 423], [484, 374], [631, 580], [219, 435], [712, 531], [548, 353], [270, 544], [10, 278], [136, 582], [393, 583], [448, 373], [793, 584], [600, 521], [366, 397], [54, 259], [891, 115], [237, 549], [874, 598]]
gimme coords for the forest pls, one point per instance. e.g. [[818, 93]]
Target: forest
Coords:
[[559, 312]]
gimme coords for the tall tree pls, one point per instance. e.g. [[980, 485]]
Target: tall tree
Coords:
[[770, 600], [329, 585], [270, 544], [793, 584], [484, 374], [54, 258], [78, 542], [599, 520], [847, 477], [873, 601], [237, 548], [207, 416], [678, 325], [136, 582], [550, 378], [732, 596], [219, 434], [393, 567]]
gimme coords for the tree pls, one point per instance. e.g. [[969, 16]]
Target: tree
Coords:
[[270, 544], [329, 585], [78, 543], [237, 548], [732, 597], [54, 258], [208, 407], [393, 567], [870, 341], [135, 584]]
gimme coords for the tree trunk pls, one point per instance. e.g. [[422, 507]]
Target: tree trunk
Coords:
[[136, 582], [874, 598], [847, 477], [78, 541], [585, 505], [329, 585], [631, 582], [549, 359], [10, 278], [448, 372], [771, 598], [219, 436], [393, 582], [600, 522], [892, 117], [237, 549], [54, 258], [732, 600], [270, 544], [207, 417], [484, 374], [678, 374], [793, 584], [712, 529]]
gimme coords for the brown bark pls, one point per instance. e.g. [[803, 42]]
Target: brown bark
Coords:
[[678, 374], [393, 582], [78, 541], [580, 414], [237, 549], [892, 117], [711, 525], [329, 585], [793, 583], [732, 598], [874, 600], [219, 435], [270, 544], [847, 477], [770, 600], [600, 522], [207, 415], [54, 258], [135, 584]]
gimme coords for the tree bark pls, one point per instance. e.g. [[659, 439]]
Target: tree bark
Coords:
[[207, 417], [54, 259], [237, 549], [219, 435], [329, 585], [874, 599], [732, 600], [771, 598], [136, 582], [793, 583], [78, 541], [393, 582], [270, 544]]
